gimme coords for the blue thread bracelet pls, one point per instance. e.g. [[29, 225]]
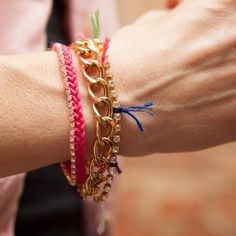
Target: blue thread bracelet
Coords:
[[130, 109]]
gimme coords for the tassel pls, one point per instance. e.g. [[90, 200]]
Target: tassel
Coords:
[[128, 110]]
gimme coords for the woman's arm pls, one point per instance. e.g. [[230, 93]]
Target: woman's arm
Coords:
[[33, 113], [34, 120], [184, 62]]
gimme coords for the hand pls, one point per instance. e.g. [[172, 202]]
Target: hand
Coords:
[[185, 61]]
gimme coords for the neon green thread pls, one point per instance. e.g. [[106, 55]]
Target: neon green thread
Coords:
[[95, 23]]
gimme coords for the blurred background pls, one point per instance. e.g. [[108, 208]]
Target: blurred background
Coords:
[[184, 194]]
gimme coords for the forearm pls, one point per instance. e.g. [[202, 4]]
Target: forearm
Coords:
[[34, 115]]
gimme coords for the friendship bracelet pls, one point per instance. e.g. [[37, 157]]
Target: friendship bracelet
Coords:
[[146, 108], [75, 168]]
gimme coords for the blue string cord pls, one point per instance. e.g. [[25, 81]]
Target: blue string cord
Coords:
[[147, 107]]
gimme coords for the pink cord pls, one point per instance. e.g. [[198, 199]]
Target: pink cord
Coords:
[[105, 48], [75, 168]]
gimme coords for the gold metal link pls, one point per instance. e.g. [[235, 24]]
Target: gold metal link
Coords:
[[108, 121], [100, 82], [106, 104], [105, 144]]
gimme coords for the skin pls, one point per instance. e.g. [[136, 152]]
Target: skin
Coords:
[[184, 60]]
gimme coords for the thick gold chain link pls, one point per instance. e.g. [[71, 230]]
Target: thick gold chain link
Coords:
[[99, 79]]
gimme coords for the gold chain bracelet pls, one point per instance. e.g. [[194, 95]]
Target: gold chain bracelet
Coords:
[[101, 87]]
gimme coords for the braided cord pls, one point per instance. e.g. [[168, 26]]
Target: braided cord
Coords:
[[75, 168]]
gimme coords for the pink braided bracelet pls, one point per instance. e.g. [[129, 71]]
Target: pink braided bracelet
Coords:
[[75, 168]]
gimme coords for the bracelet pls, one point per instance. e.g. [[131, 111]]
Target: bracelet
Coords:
[[75, 168], [94, 178], [96, 71]]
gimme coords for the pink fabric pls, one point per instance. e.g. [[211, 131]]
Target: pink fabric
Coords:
[[22, 24]]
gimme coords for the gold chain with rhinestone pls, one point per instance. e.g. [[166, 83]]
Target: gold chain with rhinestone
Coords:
[[101, 87]]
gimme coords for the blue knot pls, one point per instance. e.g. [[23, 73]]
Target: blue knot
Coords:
[[130, 109]]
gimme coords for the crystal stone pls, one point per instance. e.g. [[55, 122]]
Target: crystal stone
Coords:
[[118, 127], [104, 196], [117, 116], [72, 125], [115, 149], [114, 93], [70, 104], [109, 73], [116, 104], [116, 138], [72, 132], [113, 158], [72, 118], [112, 170], [107, 187], [111, 83], [109, 179], [106, 64]]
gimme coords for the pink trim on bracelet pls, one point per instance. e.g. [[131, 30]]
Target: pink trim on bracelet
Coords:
[[75, 168]]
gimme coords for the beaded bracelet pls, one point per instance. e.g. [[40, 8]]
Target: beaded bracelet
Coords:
[[75, 168]]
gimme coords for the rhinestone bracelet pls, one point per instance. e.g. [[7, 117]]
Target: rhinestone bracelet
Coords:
[[74, 169]]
